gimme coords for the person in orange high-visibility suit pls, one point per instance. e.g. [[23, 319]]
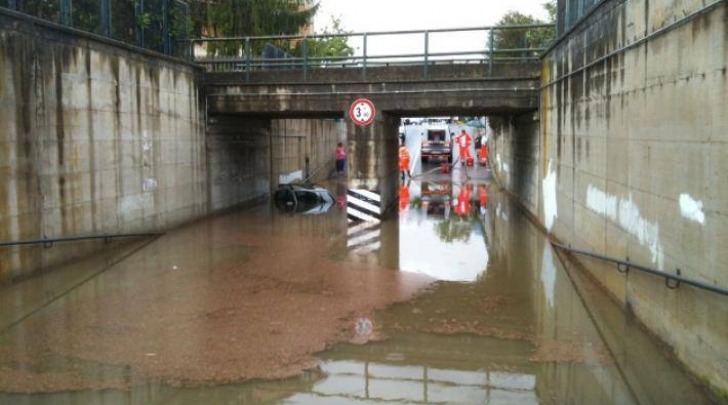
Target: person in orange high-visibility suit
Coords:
[[404, 162], [483, 154], [483, 197], [404, 196], [463, 205], [464, 141]]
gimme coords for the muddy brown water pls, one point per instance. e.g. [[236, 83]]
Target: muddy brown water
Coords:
[[450, 302]]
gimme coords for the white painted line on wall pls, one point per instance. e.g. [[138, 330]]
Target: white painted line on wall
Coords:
[[601, 202], [692, 209], [550, 204], [627, 214]]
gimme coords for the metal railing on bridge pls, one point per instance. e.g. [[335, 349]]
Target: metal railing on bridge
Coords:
[[158, 25], [474, 45]]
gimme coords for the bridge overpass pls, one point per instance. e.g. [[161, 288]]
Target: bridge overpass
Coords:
[[469, 82], [464, 82], [457, 89], [613, 140]]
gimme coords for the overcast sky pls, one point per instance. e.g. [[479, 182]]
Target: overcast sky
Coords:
[[392, 15], [395, 15]]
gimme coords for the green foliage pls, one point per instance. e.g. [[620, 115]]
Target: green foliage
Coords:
[[129, 22], [135, 21], [46, 9], [240, 18], [529, 38], [454, 229], [329, 46], [236, 18]]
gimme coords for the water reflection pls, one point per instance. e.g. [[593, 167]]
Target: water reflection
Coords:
[[442, 212], [507, 321], [374, 382]]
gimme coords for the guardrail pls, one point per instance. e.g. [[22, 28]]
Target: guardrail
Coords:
[[624, 266], [481, 45], [48, 242]]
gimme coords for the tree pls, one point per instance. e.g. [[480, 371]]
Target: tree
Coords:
[[237, 18], [531, 38], [330, 46], [551, 8], [129, 22], [240, 18], [204, 18]]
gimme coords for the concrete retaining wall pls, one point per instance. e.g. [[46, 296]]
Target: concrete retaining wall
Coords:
[[632, 156], [249, 157], [239, 160], [100, 138], [296, 141], [94, 138]]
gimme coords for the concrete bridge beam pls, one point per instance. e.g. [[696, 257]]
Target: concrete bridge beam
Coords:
[[454, 98]]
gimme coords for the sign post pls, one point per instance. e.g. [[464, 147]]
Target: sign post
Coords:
[[362, 112]]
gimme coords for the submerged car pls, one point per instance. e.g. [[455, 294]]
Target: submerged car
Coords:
[[305, 198]]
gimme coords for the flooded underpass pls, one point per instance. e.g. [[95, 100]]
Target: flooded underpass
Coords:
[[460, 299]]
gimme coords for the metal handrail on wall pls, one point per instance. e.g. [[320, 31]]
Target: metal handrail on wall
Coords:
[[48, 242], [235, 54], [672, 281]]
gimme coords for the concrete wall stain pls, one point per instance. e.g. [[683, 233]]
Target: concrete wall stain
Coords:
[[64, 178], [90, 132], [59, 65], [671, 108]]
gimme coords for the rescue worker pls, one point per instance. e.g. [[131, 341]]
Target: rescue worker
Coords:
[[464, 141], [483, 154], [463, 203], [404, 162], [404, 196], [483, 197]]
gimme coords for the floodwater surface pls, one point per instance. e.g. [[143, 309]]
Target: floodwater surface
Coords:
[[458, 299]]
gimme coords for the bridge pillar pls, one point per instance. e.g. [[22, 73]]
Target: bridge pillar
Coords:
[[372, 158]]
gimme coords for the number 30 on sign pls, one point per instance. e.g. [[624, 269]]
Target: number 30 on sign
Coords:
[[362, 112]]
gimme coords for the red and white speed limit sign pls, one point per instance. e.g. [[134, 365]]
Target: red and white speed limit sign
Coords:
[[362, 112]]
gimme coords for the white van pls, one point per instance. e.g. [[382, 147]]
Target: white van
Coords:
[[436, 143]]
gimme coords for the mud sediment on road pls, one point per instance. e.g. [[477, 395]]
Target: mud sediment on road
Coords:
[[259, 311]]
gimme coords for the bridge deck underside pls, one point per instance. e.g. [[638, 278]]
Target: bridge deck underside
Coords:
[[398, 90]]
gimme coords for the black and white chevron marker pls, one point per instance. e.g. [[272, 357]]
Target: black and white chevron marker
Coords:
[[363, 205], [364, 211]]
